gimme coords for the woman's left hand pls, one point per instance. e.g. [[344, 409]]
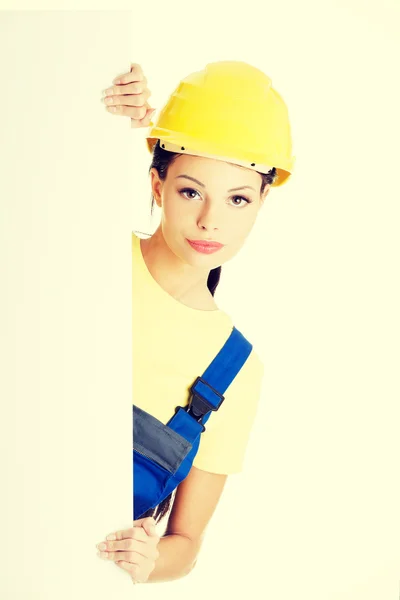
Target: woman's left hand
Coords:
[[134, 549]]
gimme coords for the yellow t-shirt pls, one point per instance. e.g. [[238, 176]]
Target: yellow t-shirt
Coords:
[[172, 345]]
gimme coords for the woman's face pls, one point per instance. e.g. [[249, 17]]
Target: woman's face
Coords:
[[207, 199]]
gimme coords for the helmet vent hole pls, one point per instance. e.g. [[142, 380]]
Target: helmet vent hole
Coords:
[[253, 164], [182, 148], [162, 145]]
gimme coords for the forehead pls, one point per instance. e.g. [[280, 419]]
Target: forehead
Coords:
[[207, 169]]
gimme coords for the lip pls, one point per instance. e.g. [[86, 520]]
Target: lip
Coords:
[[206, 243], [204, 246]]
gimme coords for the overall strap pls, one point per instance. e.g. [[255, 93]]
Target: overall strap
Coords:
[[207, 390]]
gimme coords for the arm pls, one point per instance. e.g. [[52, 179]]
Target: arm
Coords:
[[198, 495], [195, 502]]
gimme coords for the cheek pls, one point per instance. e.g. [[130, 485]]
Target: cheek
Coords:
[[170, 210], [175, 211], [243, 224]]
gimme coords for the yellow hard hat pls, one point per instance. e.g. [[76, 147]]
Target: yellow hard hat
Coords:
[[228, 111]]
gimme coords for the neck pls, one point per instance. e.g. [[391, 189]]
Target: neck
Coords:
[[185, 283]]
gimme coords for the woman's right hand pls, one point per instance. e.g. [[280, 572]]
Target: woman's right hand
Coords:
[[129, 97]]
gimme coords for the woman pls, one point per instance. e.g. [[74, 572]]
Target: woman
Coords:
[[220, 143]]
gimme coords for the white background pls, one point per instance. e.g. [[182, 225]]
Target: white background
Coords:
[[315, 514]]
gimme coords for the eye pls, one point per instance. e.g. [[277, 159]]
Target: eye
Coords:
[[191, 193], [185, 191], [247, 201]]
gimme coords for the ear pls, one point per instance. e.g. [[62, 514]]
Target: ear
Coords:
[[156, 186], [264, 194]]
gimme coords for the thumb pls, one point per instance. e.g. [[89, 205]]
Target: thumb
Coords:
[[148, 524], [145, 121]]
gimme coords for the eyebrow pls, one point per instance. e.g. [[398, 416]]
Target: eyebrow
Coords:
[[242, 187]]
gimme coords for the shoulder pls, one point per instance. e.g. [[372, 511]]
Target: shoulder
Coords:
[[248, 381], [254, 366]]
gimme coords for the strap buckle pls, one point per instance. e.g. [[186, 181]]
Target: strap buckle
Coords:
[[199, 406]]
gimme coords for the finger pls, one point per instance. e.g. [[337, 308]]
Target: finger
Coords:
[[133, 533], [135, 558], [125, 100], [135, 74], [138, 87], [150, 528], [135, 112], [139, 522], [149, 525], [136, 68], [129, 544]]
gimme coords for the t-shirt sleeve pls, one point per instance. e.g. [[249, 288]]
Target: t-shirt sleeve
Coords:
[[223, 445]]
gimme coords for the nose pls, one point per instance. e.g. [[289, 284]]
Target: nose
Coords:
[[209, 217]]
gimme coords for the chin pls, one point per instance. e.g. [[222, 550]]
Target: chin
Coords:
[[207, 261]]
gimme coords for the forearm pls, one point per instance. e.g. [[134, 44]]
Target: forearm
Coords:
[[177, 558]]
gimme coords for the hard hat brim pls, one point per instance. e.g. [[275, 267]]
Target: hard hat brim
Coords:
[[188, 146]]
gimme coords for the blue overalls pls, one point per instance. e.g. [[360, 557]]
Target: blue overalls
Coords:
[[163, 454]]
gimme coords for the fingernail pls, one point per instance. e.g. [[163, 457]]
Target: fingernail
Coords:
[[116, 81], [102, 546], [111, 537]]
